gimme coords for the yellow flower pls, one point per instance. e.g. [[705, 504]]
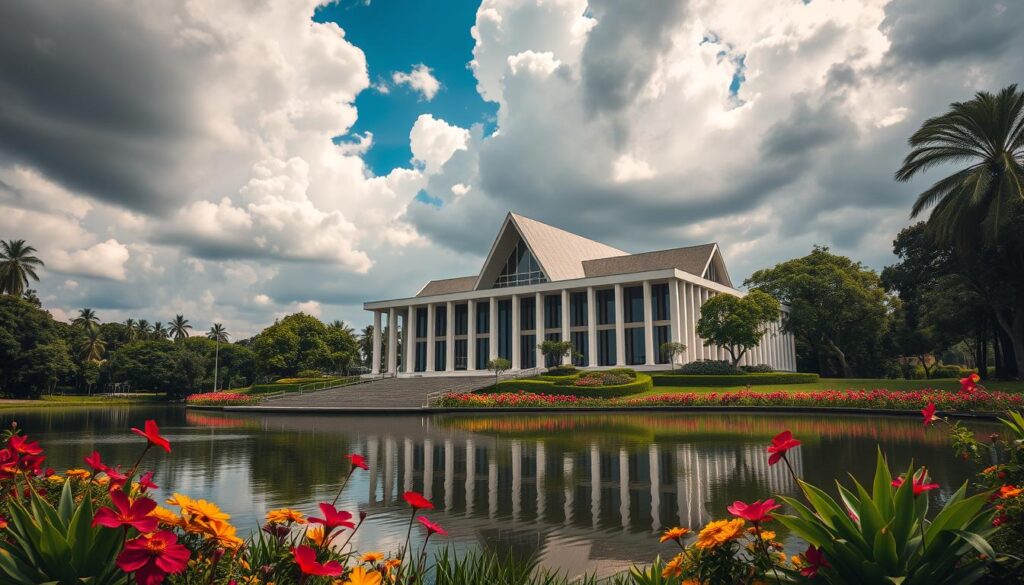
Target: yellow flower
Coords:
[[673, 568], [315, 534], [719, 532], [55, 479], [166, 517], [765, 534], [797, 561], [391, 565], [223, 534], [285, 516], [675, 534], [202, 512], [359, 576], [102, 481], [79, 474], [179, 500], [371, 557], [1009, 491]]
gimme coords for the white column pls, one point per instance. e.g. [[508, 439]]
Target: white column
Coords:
[[624, 486], [515, 333], [492, 349], [471, 336], [492, 485], [449, 338], [375, 358], [372, 450], [407, 466], [542, 462], [620, 329], [771, 345], [516, 449], [675, 332], [691, 315], [392, 340], [449, 474], [470, 476], [591, 327], [538, 318], [410, 340], [430, 336], [649, 348], [566, 359], [595, 484], [702, 295], [655, 464], [428, 468], [567, 491]]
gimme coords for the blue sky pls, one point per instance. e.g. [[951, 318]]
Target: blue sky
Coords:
[[396, 36]]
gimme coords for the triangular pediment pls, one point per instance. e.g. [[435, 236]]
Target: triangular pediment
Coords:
[[714, 269]]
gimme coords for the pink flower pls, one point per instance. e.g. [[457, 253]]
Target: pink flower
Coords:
[[153, 557], [781, 443], [929, 414], [815, 560], [333, 518], [917, 483], [126, 513], [755, 512], [305, 558], [357, 460], [431, 527]]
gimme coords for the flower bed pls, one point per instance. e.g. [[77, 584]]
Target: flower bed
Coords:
[[752, 379], [976, 401], [599, 385], [221, 399]]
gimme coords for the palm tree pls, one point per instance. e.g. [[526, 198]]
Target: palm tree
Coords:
[[131, 329], [93, 347], [87, 320], [342, 326], [159, 331], [144, 329], [180, 327], [220, 335], [17, 265], [986, 133]]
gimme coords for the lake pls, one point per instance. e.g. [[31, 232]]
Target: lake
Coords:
[[585, 492]]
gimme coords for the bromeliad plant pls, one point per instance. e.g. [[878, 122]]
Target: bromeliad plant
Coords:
[[883, 536]]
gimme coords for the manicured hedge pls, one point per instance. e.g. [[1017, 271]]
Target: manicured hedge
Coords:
[[642, 383], [689, 380]]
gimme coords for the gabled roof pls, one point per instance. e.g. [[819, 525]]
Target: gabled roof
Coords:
[[560, 253], [447, 286], [692, 259]]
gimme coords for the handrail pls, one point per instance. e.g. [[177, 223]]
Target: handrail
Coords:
[[317, 386]]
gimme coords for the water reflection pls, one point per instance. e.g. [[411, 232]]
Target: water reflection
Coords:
[[584, 491]]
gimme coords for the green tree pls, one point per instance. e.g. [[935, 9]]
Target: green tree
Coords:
[[498, 365], [17, 266], [159, 331], [219, 335], [93, 347], [670, 349], [144, 329], [30, 345], [343, 326], [86, 319], [736, 323], [302, 342], [554, 350], [91, 375], [180, 327], [132, 329], [47, 364], [837, 309], [158, 365], [366, 346], [973, 203]]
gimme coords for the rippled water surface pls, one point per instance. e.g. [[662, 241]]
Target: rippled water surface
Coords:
[[584, 491]]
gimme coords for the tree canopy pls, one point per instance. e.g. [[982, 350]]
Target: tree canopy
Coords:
[[302, 342], [736, 324]]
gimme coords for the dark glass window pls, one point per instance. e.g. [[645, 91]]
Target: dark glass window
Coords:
[[660, 336], [578, 304], [636, 351], [440, 355], [553, 312], [633, 301], [659, 301], [461, 319], [606, 347], [441, 320], [421, 356], [581, 349], [521, 268], [460, 354], [421, 322], [482, 353], [527, 313], [528, 351], [483, 318], [606, 306], [505, 329]]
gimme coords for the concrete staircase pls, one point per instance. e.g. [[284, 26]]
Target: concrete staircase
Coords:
[[388, 393]]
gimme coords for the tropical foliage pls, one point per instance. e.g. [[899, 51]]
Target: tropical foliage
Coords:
[[17, 266]]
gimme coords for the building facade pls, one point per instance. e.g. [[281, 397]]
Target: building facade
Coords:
[[540, 282]]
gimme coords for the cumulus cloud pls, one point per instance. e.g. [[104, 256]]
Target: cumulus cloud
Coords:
[[103, 260], [434, 141], [419, 79]]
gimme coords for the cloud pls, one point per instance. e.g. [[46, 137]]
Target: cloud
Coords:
[[103, 260], [434, 141], [419, 79]]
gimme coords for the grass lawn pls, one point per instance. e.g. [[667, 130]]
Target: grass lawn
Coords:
[[841, 384], [58, 401]]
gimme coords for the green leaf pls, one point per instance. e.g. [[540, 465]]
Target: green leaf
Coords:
[[885, 553], [67, 504], [977, 542], [835, 517], [15, 569], [956, 514], [882, 486]]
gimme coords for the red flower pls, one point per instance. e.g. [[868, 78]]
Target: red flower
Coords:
[[152, 434], [781, 443], [151, 558], [20, 444], [95, 462], [917, 483], [929, 414], [756, 512], [127, 513], [815, 560], [357, 460], [431, 527], [3, 522], [117, 479], [417, 501], [146, 481], [305, 558], [333, 518]]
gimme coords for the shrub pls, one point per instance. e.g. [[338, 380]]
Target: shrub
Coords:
[[602, 379], [758, 369], [309, 374], [708, 367], [562, 371], [735, 379], [593, 389], [628, 372]]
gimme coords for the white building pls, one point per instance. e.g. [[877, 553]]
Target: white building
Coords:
[[617, 308]]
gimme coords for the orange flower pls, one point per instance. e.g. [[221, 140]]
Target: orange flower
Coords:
[[360, 576], [223, 534], [673, 568], [719, 532], [79, 474], [1010, 491], [990, 469], [371, 557], [285, 516], [315, 534], [675, 534], [166, 517]]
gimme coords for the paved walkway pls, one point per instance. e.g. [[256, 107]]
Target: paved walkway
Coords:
[[389, 393]]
